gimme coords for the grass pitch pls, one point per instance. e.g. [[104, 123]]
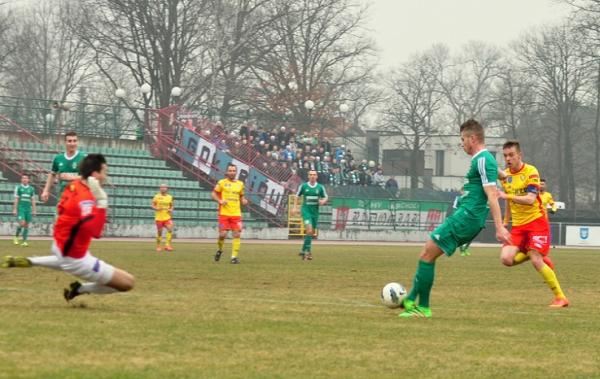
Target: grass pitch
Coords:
[[274, 316]]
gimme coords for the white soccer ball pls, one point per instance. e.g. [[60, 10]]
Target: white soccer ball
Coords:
[[393, 294]]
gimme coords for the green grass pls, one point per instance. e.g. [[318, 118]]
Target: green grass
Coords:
[[274, 316]]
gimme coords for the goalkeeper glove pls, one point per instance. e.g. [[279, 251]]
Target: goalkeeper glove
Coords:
[[98, 192]]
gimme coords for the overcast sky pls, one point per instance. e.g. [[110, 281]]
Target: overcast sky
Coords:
[[403, 27]]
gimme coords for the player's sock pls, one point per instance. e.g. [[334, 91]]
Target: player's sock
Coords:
[[425, 274], [49, 261], [169, 237], [18, 231], [96, 288], [548, 262], [307, 242], [235, 247], [221, 243], [25, 234], [422, 283], [520, 257], [550, 278], [158, 239]]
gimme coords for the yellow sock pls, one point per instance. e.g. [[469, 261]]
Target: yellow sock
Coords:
[[220, 243], [550, 278], [235, 248], [169, 237], [158, 239], [520, 257]]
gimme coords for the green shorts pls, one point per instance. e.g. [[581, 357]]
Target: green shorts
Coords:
[[460, 228], [310, 217], [24, 216]]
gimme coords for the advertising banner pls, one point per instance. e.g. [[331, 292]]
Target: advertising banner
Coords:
[[583, 235], [206, 156], [387, 214]]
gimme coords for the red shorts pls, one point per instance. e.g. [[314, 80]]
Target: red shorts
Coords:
[[532, 236], [230, 222], [163, 224]]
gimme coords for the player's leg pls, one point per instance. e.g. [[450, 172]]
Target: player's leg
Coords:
[[512, 255], [537, 260], [102, 277], [314, 221], [169, 227], [26, 221], [236, 234], [48, 261], [159, 229], [20, 223], [464, 249], [423, 282], [223, 227]]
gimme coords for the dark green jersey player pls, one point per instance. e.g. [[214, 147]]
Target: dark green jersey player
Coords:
[[23, 208], [313, 195], [65, 167], [479, 198]]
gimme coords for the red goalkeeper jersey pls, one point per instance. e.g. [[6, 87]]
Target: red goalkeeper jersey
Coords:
[[79, 220]]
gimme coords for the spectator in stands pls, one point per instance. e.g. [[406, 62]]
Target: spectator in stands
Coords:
[[378, 178], [391, 185]]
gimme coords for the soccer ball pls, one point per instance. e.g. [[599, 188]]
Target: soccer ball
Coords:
[[393, 294]]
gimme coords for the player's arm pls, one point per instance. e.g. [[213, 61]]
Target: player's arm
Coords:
[[502, 234], [507, 214], [553, 207], [171, 206], [48, 186], [215, 195], [324, 197], [16, 201], [33, 205], [488, 172], [69, 176], [527, 199], [296, 199], [154, 206]]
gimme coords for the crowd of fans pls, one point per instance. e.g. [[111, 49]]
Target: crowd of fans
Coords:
[[301, 153]]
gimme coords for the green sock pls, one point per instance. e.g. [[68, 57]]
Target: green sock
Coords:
[[422, 283], [25, 234], [307, 242], [18, 231]]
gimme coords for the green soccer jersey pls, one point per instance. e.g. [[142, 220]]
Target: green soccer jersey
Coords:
[[63, 164], [482, 173], [24, 194], [311, 196]]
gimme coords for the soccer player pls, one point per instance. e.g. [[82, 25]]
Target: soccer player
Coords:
[[314, 195], [65, 167], [229, 193], [81, 217], [480, 197], [23, 208], [162, 203], [547, 198], [530, 233]]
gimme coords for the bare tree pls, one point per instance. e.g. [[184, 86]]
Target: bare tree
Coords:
[[320, 49], [513, 97], [416, 97], [6, 21], [554, 57], [161, 43], [587, 20], [467, 80], [47, 61]]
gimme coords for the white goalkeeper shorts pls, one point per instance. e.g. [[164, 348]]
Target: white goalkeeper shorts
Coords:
[[89, 267]]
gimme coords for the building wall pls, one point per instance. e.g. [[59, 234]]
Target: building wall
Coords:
[[455, 161]]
